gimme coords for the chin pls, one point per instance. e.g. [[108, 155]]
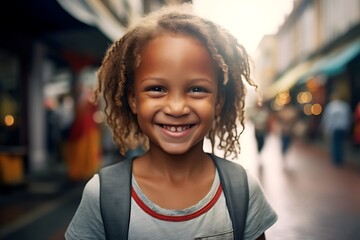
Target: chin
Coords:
[[175, 150], [180, 149]]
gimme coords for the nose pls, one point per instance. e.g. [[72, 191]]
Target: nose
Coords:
[[176, 105]]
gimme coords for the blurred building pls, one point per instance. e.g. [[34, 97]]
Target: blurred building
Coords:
[[315, 52], [266, 61], [46, 49]]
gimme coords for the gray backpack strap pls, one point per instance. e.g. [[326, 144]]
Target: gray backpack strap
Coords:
[[115, 196], [236, 189], [115, 199]]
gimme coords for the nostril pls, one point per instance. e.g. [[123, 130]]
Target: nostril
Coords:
[[176, 109]]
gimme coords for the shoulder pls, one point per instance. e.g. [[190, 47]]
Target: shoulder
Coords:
[[92, 189], [232, 173], [87, 219], [114, 167], [225, 163], [117, 173], [261, 215], [254, 185]]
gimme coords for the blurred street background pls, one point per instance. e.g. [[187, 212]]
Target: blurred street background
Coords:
[[302, 143]]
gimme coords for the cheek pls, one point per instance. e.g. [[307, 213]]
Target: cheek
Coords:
[[144, 102], [146, 108], [206, 109]]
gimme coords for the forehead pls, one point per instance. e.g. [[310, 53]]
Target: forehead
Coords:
[[171, 46], [172, 41], [176, 51]]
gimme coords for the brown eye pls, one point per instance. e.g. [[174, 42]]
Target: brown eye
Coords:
[[198, 89], [155, 89]]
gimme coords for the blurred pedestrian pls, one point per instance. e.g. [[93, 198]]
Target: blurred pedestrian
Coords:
[[64, 116], [336, 124], [356, 132], [65, 113], [259, 116], [83, 148], [52, 128], [287, 118]]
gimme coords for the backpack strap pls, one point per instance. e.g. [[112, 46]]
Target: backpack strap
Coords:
[[115, 198], [236, 189]]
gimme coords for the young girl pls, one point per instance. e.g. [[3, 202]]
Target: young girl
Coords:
[[168, 83]]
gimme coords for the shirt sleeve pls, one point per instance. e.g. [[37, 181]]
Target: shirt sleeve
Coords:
[[261, 215], [87, 222]]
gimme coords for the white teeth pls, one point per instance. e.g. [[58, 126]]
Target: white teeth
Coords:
[[176, 129]]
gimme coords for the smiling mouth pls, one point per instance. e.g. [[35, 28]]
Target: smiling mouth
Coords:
[[176, 128]]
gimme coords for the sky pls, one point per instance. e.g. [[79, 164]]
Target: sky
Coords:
[[248, 20]]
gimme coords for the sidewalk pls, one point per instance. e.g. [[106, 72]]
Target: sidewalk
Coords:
[[41, 195], [351, 158], [314, 199]]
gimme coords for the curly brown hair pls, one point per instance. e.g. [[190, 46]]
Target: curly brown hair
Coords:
[[116, 76]]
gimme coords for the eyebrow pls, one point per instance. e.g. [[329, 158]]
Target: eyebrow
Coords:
[[209, 80], [196, 79], [152, 79]]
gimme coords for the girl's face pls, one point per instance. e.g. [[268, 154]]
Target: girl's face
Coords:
[[175, 95]]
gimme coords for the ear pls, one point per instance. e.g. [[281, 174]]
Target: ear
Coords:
[[219, 105], [132, 102]]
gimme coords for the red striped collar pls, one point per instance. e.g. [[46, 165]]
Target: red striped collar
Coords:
[[182, 218]]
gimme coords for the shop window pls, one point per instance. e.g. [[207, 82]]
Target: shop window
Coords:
[[10, 100]]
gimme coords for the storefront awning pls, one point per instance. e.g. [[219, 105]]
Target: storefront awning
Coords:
[[288, 80], [328, 65], [335, 62]]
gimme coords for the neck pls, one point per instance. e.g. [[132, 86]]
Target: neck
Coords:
[[176, 165]]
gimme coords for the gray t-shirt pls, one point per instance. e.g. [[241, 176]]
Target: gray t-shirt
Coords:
[[208, 219]]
